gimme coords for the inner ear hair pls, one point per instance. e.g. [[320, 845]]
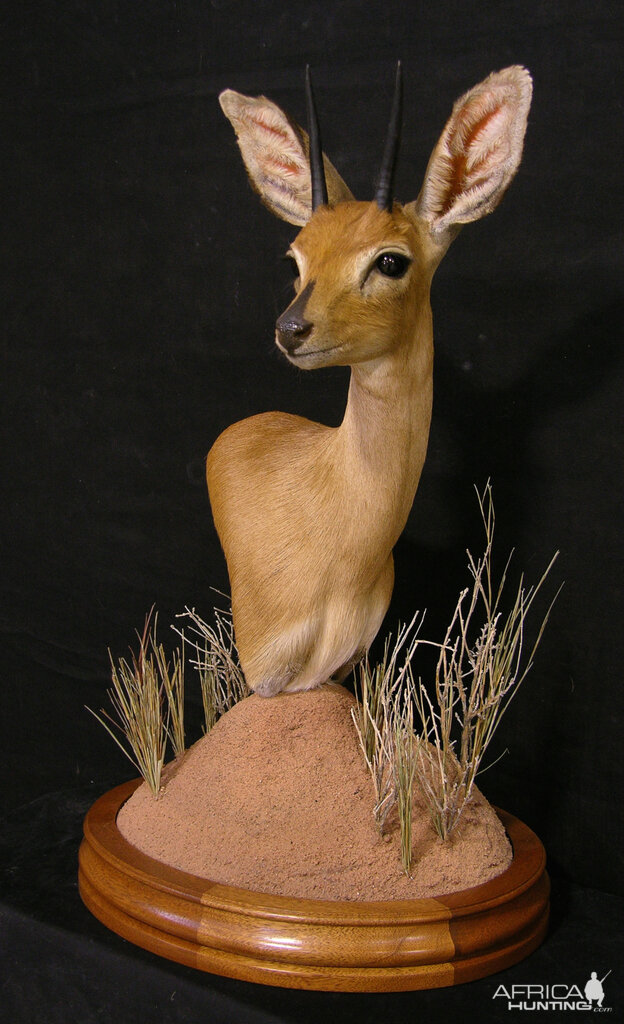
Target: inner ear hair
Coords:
[[275, 153], [478, 152]]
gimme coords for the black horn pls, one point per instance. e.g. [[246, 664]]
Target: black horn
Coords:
[[385, 181], [317, 170]]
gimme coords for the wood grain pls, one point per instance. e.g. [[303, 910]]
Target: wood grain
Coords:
[[313, 944]]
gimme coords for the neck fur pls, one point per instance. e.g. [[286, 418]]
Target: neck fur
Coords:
[[385, 428]]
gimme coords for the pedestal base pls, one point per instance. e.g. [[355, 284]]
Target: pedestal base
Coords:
[[313, 944]]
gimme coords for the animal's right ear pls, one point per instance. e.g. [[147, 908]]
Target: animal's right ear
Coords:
[[275, 152]]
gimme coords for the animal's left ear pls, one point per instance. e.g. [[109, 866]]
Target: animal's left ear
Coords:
[[478, 154]]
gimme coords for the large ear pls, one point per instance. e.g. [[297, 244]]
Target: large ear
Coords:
[[477, 155], [275, 152]]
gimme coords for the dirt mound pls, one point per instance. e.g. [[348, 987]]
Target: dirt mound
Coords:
[[277, 798]]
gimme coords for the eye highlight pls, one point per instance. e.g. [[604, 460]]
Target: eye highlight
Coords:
[[392, 264]]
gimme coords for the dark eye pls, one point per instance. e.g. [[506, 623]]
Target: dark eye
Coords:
[[291, 262], [392, 264], [290, 278]]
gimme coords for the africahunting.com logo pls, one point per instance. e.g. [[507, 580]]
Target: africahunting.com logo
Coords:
[[556, 997]]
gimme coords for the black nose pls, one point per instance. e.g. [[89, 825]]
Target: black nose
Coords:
[[292, 332], [292, 326]]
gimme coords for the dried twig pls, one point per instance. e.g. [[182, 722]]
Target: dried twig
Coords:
[[479, 670], [480, 666], [215, 658]]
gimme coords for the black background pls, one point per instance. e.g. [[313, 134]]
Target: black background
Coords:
[[141, 282]]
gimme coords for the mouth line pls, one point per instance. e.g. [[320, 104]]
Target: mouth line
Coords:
[[314, 352]]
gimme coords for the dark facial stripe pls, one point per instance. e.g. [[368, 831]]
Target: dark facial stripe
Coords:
[[292, 320]]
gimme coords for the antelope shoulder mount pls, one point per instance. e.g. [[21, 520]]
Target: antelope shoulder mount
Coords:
[[308, 515]]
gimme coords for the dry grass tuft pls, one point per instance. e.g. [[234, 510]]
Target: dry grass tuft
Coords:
[[375, 714], [216, 659], [404, 769], [173, 685], [147, 696], [480, 667]]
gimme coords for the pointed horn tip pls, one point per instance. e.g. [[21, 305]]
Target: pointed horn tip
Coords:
[[318, 183], [385, 181], [399, 78]]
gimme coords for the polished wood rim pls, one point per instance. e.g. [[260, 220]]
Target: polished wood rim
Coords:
[[313, 944]]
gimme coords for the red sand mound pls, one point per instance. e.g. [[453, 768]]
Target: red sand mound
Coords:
[[277, 798]]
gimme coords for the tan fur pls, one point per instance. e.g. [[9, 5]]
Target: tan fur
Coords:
[[308, 515]]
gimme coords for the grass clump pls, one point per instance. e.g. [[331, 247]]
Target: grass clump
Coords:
[[404, 769], [147, 693], [480, 666], [375, 714], [147, 697], [216, 659]]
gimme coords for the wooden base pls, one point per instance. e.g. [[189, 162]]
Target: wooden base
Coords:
[[313, 944]]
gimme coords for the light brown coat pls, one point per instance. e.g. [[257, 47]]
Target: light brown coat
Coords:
[[308, 515]]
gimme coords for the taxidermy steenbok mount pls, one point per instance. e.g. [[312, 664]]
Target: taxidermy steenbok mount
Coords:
[[308, 515]]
